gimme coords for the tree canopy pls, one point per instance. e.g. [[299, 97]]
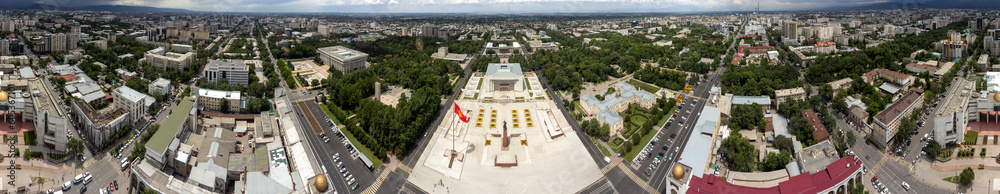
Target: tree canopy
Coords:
[[748, 117], [739, 153]]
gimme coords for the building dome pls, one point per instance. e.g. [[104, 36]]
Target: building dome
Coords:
[[3, 96], [678, 171], [996, 97], [321, 183]]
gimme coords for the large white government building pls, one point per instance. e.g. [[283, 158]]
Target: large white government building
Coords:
[[342, 58]]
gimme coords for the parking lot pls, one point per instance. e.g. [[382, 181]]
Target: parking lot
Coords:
[[662, 147], [337, 154]]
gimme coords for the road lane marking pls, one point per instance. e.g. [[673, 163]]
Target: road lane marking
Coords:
[[637, 180], [378, 182]]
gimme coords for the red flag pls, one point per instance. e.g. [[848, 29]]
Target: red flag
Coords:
[[460, 115]]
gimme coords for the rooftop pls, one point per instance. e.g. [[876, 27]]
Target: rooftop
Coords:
[[232, 95], [956, 97], [342, 53], [171, 126], [833, 174], [748, 100], [160, 82], [819, 131], [220, 65], [789, 92], [129, 94], [43, 98], [699, 145], [504, 70], [814, 158], [885, 72], [897, 107]]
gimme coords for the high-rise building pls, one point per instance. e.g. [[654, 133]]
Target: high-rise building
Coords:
[[5, 47], [57, 42], [428, 30], [323, 30], [790, 29], [73, 38]]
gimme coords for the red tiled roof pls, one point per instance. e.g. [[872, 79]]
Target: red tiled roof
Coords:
[[819, 131], [823, 44], [68, 77], [740, 50], [925, 67], [834, 173], [893, 74], [713, 184]]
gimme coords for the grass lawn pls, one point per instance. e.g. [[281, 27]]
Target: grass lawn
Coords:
[[480, 84], [376, 162], [576, 106], [951, 179], [297, 81], [527, 84], [978, 79], [638, 120], [330, 114], [30, 137], [603, 150], [642, 142], [666, 117], [644, 86], [971, 137]]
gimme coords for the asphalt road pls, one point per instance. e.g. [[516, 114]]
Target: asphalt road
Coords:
[[326, 150], [691, 112]]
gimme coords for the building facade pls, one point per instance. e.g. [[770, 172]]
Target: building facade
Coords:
[[213, 100], [158, 57], [98, 126], [886, 123], [607, 111], [160, 86], [131, 100], [235, 71], [795, 93], [951, 119], [342, 58]]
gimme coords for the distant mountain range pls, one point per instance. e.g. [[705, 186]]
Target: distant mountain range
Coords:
[[926, 4], [542, 7], [115, 8]]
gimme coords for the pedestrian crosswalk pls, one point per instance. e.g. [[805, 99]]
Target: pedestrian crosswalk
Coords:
[[605, 169], [879, 164], [88, 162], [377, 183], [907, 164], [405, 168], [638, 181]]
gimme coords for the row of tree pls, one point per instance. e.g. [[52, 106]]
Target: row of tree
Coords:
[[760, 79], [670, 79]]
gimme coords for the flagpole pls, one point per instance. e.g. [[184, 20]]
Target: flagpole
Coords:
[[453, 136]]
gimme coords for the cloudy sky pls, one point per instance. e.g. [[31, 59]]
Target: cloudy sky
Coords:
[[481, 6]]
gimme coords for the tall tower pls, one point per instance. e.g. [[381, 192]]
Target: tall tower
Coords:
[[508, 16]]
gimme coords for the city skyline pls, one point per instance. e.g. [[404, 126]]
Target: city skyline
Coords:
[[502, 6]]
